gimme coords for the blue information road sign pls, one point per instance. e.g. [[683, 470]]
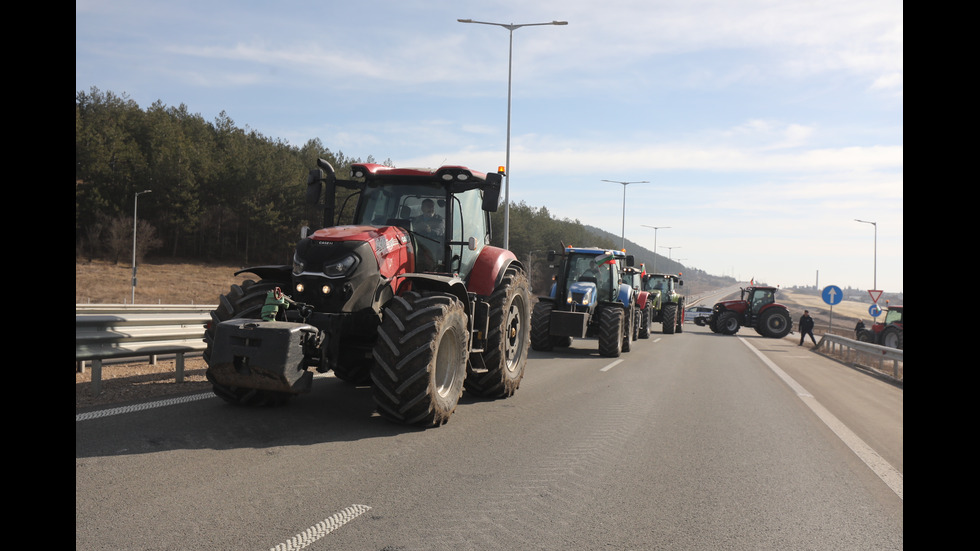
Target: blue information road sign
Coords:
[[874, 310], [832, 295]]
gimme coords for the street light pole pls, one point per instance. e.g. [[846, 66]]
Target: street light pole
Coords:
[[875, 224], [624, 203], [655, 228], [510, 59], [135, 206], [669, 251]]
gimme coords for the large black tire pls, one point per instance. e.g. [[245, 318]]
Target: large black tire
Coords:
[[865, 335], [644, 332], [670, 318], [892, 337], [541, 326], [508, 339], [727, 323], [242, 301], [680, 316], [774, 323], [420, 359], [628, 323], [611, 331]]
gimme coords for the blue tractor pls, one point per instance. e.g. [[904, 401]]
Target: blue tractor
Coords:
[[588, 299]]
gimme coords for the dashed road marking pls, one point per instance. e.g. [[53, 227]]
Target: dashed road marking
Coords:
[[322, 528]]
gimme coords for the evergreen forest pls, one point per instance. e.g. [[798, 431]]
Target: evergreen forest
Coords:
[[219, 192]]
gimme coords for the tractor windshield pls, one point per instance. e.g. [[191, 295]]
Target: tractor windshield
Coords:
[[583, 268], [762, 297], [893, 315], [419, 208]]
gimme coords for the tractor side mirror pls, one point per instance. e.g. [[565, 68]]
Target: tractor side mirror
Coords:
[[491, 192], [551, 256], [630, 260]]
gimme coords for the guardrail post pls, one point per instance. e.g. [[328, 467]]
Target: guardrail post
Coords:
[[180, 367], [96, 376]]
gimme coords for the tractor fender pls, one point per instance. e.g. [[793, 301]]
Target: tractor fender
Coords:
[[641, 299], [452, 285], [274, 273], [773, 305], [489, 269], [625, 295]]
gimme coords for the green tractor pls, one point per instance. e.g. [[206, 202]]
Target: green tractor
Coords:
[[666, 303]]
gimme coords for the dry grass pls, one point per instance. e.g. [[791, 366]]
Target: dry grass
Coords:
[[99, 282]]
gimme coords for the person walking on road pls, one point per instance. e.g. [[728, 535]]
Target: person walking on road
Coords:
[[806, 328]]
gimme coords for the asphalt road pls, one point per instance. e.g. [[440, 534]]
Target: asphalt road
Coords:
[[689, 441]]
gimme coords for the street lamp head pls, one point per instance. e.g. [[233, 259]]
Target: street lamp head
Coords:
[[559, 22]]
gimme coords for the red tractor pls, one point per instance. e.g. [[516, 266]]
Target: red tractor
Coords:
[[757, 308], [890, 333], [408, 297], [644, 316]]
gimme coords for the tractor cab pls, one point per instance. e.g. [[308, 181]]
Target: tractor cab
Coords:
[[757, 299], [586, 279]]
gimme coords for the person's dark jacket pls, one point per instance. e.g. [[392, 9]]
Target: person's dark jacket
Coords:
[[806, 324]]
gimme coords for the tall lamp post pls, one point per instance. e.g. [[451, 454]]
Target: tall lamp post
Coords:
[[510, 60], [655, 228], [669, 250], [135, 206], [624, 203], [875, 224]]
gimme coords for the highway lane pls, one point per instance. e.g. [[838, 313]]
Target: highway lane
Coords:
[[690, 442]]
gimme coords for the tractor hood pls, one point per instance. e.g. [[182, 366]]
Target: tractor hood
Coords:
[[390, 245]]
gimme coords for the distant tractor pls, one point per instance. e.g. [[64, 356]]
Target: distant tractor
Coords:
[[643, 316], [667, 304], [890, 333], [757, 308], [587, 300]]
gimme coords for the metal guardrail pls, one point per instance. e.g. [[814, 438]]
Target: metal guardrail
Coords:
[[112, 331], [859, 353]]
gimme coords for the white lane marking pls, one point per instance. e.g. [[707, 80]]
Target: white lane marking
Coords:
[[612, 365], [322, 528], [141, 407], [888, 474], [657, 339]]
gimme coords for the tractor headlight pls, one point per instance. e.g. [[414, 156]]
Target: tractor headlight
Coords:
[[340, 268]]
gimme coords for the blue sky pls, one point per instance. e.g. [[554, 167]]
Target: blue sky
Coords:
[[764, 127]]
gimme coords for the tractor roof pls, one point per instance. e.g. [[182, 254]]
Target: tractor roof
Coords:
[[594, 250], [371, 171]]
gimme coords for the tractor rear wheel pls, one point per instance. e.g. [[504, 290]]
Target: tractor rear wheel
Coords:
[[892, 337], [508, 339], [420, 359], [645, 322], [242, 301], [670, 318], [611, 331], [774, 323]]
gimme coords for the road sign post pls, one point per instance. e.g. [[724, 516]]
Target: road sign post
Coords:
[[832, 295]]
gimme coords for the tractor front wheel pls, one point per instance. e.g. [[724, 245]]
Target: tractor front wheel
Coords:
[[727, 323], [670, 319], [611, 331], [420, 359]]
